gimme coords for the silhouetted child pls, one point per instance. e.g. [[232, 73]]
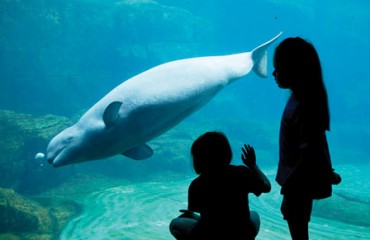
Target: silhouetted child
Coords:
[[305, 170], [220, 193]]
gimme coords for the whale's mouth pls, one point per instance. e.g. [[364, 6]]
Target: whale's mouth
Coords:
[[50, 160], [54, 159]]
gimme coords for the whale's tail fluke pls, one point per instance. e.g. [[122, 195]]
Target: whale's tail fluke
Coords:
[[259, 57]]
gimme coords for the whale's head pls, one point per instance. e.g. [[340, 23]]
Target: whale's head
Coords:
[[95, 136], [63, 149]]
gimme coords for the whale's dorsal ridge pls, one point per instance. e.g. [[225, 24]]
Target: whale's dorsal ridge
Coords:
[[111, 113], [139, 152]]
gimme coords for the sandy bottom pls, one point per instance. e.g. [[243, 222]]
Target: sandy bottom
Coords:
[[144, 210]]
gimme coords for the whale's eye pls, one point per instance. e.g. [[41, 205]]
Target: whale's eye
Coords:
[[69, 139]]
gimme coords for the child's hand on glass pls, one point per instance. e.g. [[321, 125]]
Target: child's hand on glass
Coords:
[[248, 156]]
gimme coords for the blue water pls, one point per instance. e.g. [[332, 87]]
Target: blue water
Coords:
[[60, 57]]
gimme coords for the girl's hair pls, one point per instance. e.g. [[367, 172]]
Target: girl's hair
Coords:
[[211, 151], [301, 61]]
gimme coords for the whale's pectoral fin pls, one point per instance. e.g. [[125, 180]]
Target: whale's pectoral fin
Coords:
[[139, 153], [259, 57], [111, 113]]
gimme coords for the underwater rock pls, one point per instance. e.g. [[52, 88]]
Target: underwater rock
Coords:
[[19, 214], [23, 218], [60, 210], [22, 136], [43, 127]]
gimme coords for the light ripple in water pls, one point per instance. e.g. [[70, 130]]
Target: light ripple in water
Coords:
[[143, 211]]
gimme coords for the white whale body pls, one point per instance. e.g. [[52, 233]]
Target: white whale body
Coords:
[[147, 105]]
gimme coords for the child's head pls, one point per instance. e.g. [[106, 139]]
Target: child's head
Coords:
[[297, 67], [211, 151], [297, 64]]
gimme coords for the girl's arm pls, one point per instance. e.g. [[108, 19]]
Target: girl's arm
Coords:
[[249, 159]]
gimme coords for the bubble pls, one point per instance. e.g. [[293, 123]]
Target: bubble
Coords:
[[39, 156]]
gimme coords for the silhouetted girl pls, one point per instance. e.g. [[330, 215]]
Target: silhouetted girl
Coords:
[[220, 193], [305, 170]]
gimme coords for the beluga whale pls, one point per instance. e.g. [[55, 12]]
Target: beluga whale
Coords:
[[149, 104]]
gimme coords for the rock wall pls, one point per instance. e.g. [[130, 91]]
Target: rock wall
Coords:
[[25, 218], [22, 136]]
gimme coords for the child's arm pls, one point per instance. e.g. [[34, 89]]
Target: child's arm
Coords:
[[249, 159]]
